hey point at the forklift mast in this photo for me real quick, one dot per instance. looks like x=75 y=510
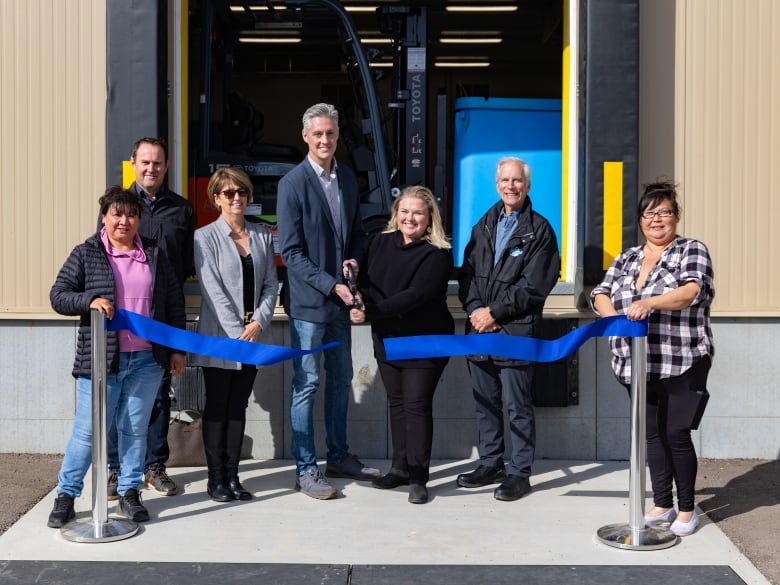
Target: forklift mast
x=267 y=163
x=407 y=26
x=378 y=201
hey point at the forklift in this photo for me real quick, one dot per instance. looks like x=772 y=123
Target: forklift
x=582 y=51
x=237 y=140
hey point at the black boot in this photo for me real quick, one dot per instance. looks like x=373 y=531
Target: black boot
x=214 y=445
x=234 y=441
x=418 y=477
x=418 y=493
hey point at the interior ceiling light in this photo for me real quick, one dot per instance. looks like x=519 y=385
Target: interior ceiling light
x=481 y=8
x=270 y=36
x=376 y=40
x=461 y=64
x=374 y=37
x=470 y=40
x=255 y=7
x=271 y=40
x=349 y=8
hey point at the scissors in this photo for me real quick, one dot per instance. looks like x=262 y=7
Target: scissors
x=352 y=282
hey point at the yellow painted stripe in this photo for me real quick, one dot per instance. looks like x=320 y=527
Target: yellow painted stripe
x=128 y=176
x=565 y=152
x=613 y=211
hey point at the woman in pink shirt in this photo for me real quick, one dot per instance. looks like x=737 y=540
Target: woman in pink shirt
x=116 y=268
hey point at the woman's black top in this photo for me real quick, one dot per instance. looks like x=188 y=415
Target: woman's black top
x=404 y=288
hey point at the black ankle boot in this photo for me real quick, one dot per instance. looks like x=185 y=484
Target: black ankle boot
x=418 y=493
x=217 y=489
x=235 y=487
x=234 y=438
x=214 y=445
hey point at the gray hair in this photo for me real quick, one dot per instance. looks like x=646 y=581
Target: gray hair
x=513 y=159
x=320 y=110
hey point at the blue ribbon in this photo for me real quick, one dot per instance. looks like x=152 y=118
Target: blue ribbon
x=510 y=346
x=246 y=352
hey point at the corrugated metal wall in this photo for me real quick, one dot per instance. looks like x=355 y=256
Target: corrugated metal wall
x=726 y=139
x=728 y=144
x=52 y=141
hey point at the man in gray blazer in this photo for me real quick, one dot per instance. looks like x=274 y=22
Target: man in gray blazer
x=320 y=234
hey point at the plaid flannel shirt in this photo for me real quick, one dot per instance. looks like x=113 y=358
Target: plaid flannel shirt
x=676 y=339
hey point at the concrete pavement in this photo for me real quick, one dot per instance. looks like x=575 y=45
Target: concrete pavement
x=554 y=525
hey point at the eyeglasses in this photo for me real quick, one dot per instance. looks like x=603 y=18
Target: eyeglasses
x=658 y=213
x=230 y=193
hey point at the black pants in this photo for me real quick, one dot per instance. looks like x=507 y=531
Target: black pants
x=157 y=439
x=496 y=387
x=410 y=400
x=227 y=392
x=224 y=417
x=671 y=456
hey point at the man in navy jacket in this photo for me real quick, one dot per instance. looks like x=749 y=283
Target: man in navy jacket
x=320 y=234
x=510 y=266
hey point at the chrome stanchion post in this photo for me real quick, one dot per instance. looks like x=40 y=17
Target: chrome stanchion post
x=99 y=528
x=635 y=535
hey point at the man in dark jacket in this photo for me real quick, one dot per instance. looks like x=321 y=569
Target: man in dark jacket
x=510 y=266
x=170 y=219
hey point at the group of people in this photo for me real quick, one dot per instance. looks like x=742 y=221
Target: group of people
x=336 y=277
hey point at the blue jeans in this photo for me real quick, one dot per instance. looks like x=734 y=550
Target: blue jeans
x=157 y=450
x=130 y=394
x=306 y=382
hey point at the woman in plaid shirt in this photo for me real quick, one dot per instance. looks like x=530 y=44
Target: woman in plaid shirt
x=669 y=280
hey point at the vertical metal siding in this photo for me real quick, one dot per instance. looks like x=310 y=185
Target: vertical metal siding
x=52 y=146
x=728 y=144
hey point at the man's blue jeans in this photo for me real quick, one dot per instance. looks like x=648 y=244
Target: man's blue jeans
x=306 y=382
x=130 y=394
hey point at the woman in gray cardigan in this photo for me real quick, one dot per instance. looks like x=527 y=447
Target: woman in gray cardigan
x=234 y=261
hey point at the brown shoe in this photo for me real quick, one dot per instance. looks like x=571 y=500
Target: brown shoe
x=157 y=479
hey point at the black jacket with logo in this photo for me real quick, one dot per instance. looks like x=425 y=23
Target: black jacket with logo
x=516 y=288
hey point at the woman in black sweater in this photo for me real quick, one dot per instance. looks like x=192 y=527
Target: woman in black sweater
x=404 y=292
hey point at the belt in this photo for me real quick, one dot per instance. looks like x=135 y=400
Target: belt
x=248 y=317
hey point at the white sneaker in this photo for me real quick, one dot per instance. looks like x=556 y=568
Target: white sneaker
x=665 y=518
x=685 y=528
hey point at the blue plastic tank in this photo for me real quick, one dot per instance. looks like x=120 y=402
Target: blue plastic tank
x=487 y=129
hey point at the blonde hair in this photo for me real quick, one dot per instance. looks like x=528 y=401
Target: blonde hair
x=435 y=233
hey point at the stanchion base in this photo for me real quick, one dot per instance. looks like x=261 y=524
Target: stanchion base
x=88 y=530
x=647 y=538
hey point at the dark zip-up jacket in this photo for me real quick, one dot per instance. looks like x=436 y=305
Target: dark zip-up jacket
x=87 y=275
x=515 y=288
